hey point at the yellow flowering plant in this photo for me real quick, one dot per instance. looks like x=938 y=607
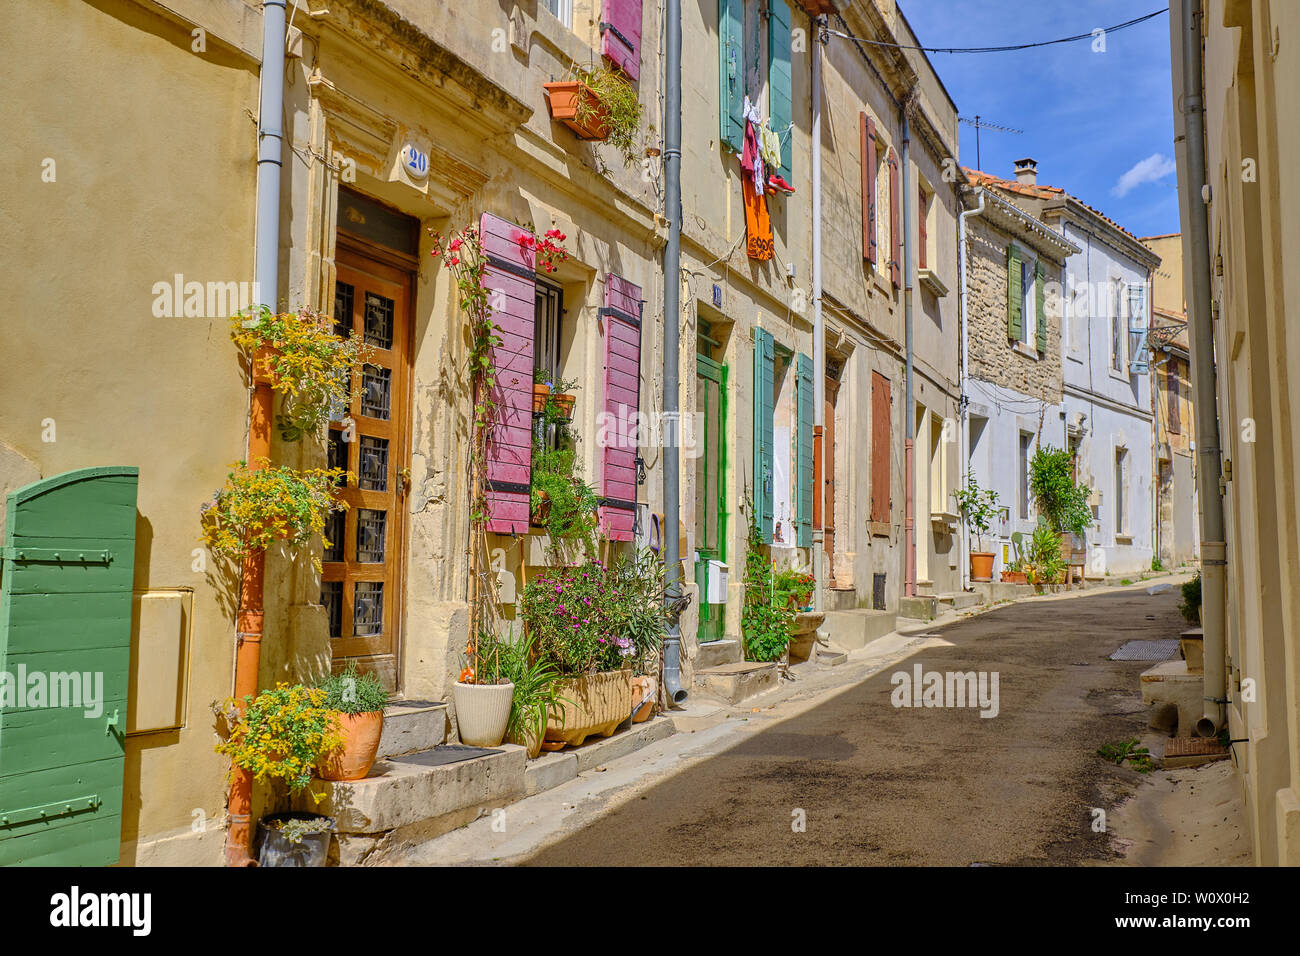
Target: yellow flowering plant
x=305 y=361
x=258 y=507
x=282 y=734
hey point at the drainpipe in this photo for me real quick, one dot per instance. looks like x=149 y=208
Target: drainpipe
x=672 y=321
x=965 y=399
x=819 y=330
x=248 y=623
x=909 y=411
x=1201 y=339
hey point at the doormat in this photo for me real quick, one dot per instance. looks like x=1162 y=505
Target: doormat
x=1162 y=650
x=444 y=754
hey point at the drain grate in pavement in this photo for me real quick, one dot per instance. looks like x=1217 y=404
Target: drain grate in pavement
x=1162 y=650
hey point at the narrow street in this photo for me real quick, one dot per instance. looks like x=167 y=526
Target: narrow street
x=879 y=784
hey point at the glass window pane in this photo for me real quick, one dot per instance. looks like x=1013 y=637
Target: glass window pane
x=331 y=597
x=376 y=390
x=368 y=612
x=334 y=534
x=379 y=321
x=711 y=464
x=372 y=466
x=343 y=294
x=371 y=526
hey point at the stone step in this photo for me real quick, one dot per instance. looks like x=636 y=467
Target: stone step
x=840 y=599
x=849 y=630
x=918 y=608
x=737 y=681
x=552 y=769
x=717 y=653
x=828 y=656
x=407 y=799
x=411 y=726
x=990 y=592
x=958 y=599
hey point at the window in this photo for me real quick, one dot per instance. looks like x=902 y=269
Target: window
x=1029 y=308
x=546 y=329
x=562 y=9
x=1121 y=468
x=938 y=469
x=1118 y=321
x=1026 y=442
x=1175 y=412
x=922 y=227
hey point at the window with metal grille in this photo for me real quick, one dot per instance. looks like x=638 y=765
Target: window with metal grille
x=331 y=598
x=379 y=321
x=376 y=391
x=334 y=532
x=368 y=611
x=372 y=470
x=343 y=294
x=371 y=526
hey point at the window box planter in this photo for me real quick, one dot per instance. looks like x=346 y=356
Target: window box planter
x=595 y=704
x=563 y=98
x=1014 y=577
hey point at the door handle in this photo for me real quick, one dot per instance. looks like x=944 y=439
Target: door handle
x=404 y=481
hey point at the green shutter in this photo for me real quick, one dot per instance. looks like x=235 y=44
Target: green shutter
x=65 y=608
x=804 y=447
x=780 y=97
x=764 y=408
x=1015 y=294
x=1040 y=305
x=731 y=72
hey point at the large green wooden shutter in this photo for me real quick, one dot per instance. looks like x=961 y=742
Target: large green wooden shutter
x=779 y=89
x=1040 y=305
x=1015 y=294
x=65 y=609
x=731 y=72
x=804 y=447
x=764 y=407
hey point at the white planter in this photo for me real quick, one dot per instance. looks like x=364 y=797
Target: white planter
x=482 y=712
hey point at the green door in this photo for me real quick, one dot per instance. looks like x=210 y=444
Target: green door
x=65 y=647
x=710 y=488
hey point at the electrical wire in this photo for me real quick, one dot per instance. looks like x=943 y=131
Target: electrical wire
x=1001 y=49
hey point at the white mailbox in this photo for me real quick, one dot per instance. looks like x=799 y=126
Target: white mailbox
x=717 y=591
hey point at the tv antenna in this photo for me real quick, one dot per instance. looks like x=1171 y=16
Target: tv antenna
x=981 y=125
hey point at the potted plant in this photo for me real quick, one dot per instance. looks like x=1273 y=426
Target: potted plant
x=281 y=736
x=294 y=839
x=300 y=356
x=553 y=398
x=358 y=702
x=766 y=622
x=1190 y=606
x=576 y=617
x=1045 y=563
x=1061 y=500
x=259 y=506
x=978 y=507
x=534 y=696
x=560 y=500
x=599 y=105
x=1014 y=573
x=483 y=694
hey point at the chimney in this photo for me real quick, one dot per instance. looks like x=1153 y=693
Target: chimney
x=1027 y=171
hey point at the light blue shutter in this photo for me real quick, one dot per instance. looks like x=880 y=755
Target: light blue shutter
x=764 y=408
x=804 y=449
x=731 y=72
x=1137 y=329
x=780 y=97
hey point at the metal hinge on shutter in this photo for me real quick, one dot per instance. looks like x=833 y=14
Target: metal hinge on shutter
x=49 y=811
x=605 y=25
x=23 y=555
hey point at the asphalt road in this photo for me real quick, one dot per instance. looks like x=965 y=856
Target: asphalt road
x=886 y=785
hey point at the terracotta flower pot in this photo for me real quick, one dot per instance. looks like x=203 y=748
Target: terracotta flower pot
x=981 y=565
x=563 y=99
x=482 y=712
x=542 y=513
x=1014 y=577
x=540 y=391
x=353 y=761
x=564 y=403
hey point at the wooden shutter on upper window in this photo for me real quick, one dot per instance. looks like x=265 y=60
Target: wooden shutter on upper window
x=1015 y=294
x=620 y=35
x=731 y=72
x=867 y=129
x=1175 y=412
x=895 y=233
x=780 y=90
x=1040 y=306
x=510 y=278
x=804 y=452
x=920 y=228
x=621 y=318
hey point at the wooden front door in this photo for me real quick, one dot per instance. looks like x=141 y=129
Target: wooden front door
x=828 y=479
x=710 y=489
x=363 y=579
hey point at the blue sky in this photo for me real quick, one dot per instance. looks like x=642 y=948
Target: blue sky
x=1100 y=124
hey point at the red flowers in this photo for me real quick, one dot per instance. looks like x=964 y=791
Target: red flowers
x=546 y=248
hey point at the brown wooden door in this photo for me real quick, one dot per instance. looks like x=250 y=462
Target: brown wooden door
x=363 y=578
x=828 y=477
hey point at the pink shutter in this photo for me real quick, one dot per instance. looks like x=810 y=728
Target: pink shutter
x=620 y=35
x=895 y=231
x=510 y=281
x=622 y=320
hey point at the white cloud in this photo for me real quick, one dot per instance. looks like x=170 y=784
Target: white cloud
x=1152 y=169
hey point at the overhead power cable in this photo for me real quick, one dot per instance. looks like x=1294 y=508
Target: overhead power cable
x=1001 y=49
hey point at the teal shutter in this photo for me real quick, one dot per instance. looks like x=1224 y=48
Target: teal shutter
x=764 y=407
x=804 y=449
x=1015 y=294
x=731 y=72
x=780 y=97
x=1040 y=305
x=65 y=614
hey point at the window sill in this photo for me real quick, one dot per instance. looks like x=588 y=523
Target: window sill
x=1123 y=539
x=879 y=529
x=1025 y=350
x=931 y=281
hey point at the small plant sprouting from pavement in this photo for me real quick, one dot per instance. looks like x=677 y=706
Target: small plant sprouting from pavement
x=1139 y=757
x=1125 y=582
x=1191 y=603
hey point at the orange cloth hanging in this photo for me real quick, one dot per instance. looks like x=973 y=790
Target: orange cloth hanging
x=758 y=224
